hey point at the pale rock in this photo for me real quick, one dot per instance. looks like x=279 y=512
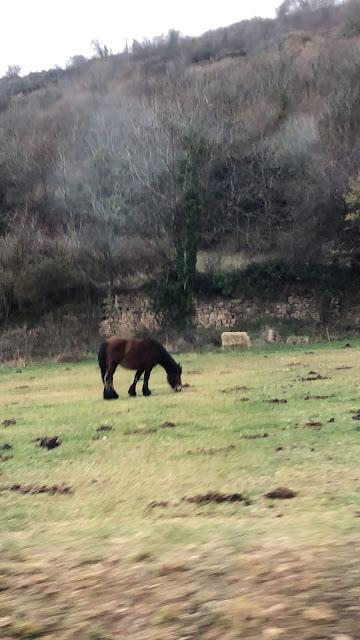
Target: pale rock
x=320 y=613
x=272 y=633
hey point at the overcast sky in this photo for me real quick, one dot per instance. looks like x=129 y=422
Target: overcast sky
x=39 y=34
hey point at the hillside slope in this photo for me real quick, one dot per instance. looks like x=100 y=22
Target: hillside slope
x=101 y=163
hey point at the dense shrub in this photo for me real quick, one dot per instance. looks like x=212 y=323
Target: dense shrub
x=270 y=280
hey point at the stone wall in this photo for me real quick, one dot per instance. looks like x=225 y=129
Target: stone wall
x=124 y=314
x=229 y=313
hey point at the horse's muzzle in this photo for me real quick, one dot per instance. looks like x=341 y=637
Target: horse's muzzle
x=178 y=388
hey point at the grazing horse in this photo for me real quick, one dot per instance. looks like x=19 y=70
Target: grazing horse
x=142 y=355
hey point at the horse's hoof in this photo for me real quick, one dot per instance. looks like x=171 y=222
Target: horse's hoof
x=132 y=393
x=110 y=394
x=147 y=392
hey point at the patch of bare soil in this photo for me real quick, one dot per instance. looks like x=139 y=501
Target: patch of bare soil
x=210 y=451
x=318 y=397
x=157 y=503
x=149 y=430
x=281 y=493
x=235 y=389
x=8 y=422
x=277 y=401
x=313 y=424
x=5 y=447
x=168 y=425
x=101 y=431
x=104 y=428
x=292 y=594
x=314 y=375
x=48 y=442
x=343 y=368
x=356 y=416
x=140 y=431
x=33 y=489
x=253 y=436
x=217 y=498
x=5 y=458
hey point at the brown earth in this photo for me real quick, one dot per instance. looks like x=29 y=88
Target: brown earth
x=302 y=594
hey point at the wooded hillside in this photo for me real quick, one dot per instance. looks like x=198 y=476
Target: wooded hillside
x=244 y=141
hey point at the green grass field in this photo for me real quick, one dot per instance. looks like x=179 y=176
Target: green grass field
x=124 y=556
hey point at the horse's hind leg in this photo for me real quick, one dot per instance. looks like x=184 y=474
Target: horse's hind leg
x=132 y=388
x=146 y=391
x=109 y=391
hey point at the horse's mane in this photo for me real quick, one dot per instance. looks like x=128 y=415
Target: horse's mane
x=167 y=360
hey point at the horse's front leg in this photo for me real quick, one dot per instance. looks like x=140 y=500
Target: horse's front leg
x=146 y=391
x=132 y=388
x=109 y=391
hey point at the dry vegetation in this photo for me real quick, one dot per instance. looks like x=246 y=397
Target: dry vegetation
x=95 y=159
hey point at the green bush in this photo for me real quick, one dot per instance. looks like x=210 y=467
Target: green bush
x=171 y=302
x=270 y=280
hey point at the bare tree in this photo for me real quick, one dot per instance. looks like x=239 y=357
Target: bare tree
x=13 y=71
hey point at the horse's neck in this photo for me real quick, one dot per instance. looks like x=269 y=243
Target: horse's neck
x=166 y=360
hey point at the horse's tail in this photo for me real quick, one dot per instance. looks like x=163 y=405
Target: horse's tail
x=102 y=359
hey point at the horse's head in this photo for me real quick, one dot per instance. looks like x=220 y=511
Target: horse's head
x=174 y=378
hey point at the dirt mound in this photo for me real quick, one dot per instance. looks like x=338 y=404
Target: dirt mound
x=167 y=425
x=277 y=401
x=104 y=428
x=33 y=489
x=313 y=424
x=217 y=498
x=158 y=503
x=8 y=422
x=235 y=389
x=281 y=493
x=5 y=447
x=318 y=397
x=314 y=375
x=48 y=442
x=5 y=458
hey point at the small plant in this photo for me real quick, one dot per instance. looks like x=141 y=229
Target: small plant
x=26 y=630
x=351 y=27
x=166 y=615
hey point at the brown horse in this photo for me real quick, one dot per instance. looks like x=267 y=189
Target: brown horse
x=142 y=355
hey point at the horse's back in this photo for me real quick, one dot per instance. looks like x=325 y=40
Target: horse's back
x=132 y=353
